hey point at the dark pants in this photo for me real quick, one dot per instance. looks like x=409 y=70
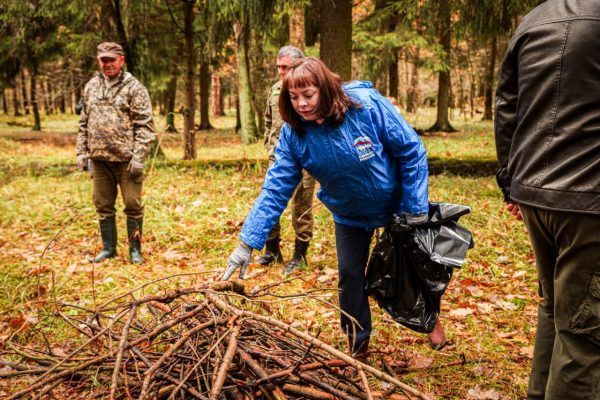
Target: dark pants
x=566 y=358
x=107 y=178
x=352 y=245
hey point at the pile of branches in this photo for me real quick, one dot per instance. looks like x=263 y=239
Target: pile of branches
x=205 y=349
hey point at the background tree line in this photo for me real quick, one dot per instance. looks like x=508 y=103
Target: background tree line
x=201 y=57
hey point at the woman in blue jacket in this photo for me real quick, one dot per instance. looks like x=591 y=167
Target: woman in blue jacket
x=370 y=164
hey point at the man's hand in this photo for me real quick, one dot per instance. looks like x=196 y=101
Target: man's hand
x=514 y=209
x=415 y=219
x=135 y=169
x=240 y=258
x=82 y=162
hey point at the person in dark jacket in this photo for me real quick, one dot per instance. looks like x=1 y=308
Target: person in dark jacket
x=548 y=143
x=370 y=164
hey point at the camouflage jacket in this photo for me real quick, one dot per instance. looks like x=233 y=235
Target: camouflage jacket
x=273 y=121
x=116 y=120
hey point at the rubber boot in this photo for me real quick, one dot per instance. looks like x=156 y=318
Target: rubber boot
x=108 y=232
x=359 y=352
x=299 y=256
x=272 y=253
x=134 y=233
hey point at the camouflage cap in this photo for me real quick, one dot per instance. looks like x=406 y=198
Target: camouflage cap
x=109 y=49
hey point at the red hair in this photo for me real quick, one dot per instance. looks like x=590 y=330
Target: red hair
x=333 y=102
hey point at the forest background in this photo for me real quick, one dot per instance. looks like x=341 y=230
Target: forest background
x=208 y=66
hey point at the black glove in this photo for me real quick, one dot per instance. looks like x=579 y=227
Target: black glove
x=135 y=169
x=415 y=219
x=240 y=258
x=82 y=162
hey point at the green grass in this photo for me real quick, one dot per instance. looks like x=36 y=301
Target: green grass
x=194 y=210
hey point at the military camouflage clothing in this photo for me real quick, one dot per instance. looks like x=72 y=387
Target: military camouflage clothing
x=116 y=120
x=273 y=121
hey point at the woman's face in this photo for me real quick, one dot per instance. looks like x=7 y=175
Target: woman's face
x=306 y=102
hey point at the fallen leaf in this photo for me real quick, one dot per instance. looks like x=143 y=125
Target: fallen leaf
x=527 y=351
x=477 y=394
x=503 y=260
x=460 y=313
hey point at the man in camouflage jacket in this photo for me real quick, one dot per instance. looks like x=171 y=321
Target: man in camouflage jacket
x=115 y=133
x=302 y=219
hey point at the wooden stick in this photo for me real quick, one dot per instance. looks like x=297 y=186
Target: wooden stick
x=122 y=343
x=275 y=392
x=222 y=373
x=307 y=392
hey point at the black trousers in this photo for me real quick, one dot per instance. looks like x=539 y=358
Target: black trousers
x=352 y=246
x=566 y=357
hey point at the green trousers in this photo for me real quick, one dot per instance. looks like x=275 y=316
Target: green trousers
x=108 y=177
x=566 y=357
x=302 y=218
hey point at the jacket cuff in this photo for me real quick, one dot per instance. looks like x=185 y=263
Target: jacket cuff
x=504 y=185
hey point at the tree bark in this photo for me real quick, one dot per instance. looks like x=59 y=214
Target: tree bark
x=238 y=119
x=312 y=14
x=297 y=26
x=130 y=57
x=204 y=94
x=249 y=130
x=4 y=102
x=442 y=122
x=24 y=98
x=413 y=92
x=171 y=94
x=37 y=123
x=489 y=81
x=189 y=135
x=15 y=99
x=336 y=36
x=218 y=109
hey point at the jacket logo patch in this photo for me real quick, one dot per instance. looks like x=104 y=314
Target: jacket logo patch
x=364 y=146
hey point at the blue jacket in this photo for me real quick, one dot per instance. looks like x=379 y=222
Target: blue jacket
x=372 y=166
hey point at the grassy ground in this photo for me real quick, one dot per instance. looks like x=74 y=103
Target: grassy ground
x=194 y=210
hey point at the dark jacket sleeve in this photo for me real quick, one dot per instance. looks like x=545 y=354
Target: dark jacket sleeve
x=506 y=118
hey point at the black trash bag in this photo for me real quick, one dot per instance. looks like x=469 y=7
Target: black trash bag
x=410 y=268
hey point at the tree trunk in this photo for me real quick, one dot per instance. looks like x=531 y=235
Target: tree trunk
x=204 y=94
x=171 y=94
x=4 y=102
x=442 y=122
x=312 y=14
x=189 y=135
x=413 y=93
x=130 y=58
x=336 y=36
x=238 y=119
x=49 y=97
x=297 y=26
x=217 y=108
x=16 y=105
x=489 y=81
x=37 y=123
x=62 y=104
x=24 y=99
x=393 y=76
x=249 y=131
